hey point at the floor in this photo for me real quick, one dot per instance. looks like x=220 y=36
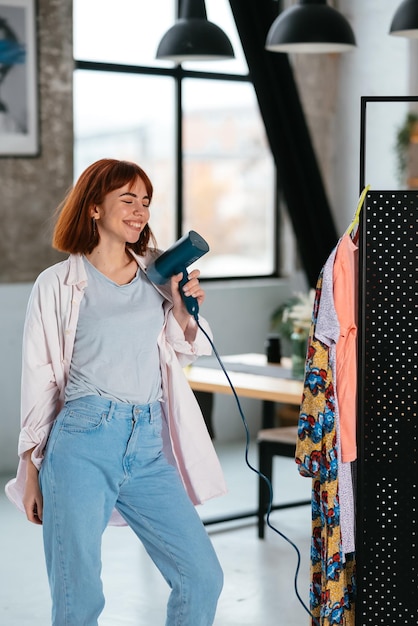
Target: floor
x=259 y=574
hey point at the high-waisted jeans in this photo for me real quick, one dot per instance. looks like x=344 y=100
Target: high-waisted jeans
x=103 y=455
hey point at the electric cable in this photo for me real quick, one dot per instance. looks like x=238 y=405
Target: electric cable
x=260 y=474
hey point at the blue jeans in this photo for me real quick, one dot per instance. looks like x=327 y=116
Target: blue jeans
x=103 y=455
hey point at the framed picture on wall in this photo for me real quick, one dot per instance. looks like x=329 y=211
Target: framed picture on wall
x=19 y=132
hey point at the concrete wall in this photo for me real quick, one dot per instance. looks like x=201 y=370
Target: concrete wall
x=31 y=188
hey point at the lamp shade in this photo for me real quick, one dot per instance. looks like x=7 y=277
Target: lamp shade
x=311 y=27
x=194 y=38
x=405 y=20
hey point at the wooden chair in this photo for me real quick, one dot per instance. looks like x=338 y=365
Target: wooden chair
x=273 y=442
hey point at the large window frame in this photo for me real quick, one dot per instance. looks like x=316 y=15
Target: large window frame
x=178 y=74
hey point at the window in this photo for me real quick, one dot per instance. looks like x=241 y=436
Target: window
x=196 y=130
x=130 y=116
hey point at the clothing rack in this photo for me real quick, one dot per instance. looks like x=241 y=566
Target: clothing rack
x=387 y=465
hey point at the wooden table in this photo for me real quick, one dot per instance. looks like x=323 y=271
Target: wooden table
x=251 y=384
x=270 y=388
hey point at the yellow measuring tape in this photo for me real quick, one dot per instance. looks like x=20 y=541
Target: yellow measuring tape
x=356 y=218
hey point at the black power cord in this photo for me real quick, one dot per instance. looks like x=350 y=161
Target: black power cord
x=261 y=475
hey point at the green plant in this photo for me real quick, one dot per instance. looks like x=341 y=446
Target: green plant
x=403 y=138
x=280 y=322
x=294 y=311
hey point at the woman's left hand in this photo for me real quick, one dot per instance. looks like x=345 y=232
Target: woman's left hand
x=191 y=288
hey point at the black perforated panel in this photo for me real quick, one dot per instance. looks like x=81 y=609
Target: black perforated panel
x=388 y=394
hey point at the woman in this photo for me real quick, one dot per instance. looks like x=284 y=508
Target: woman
x=103 y=352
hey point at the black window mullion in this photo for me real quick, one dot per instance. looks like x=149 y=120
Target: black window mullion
x=179 y=155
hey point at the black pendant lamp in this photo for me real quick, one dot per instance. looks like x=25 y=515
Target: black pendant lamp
x=405 y=20
x=311 y=27
x=194 y=38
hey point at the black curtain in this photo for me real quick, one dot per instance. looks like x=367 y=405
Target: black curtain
x=299 y=177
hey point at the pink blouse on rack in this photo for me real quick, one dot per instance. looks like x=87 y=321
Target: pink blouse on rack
x=345 y=301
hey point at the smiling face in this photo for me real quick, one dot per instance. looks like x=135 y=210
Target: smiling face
x=123 y=214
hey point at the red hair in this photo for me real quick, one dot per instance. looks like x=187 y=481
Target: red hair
x=74 y=230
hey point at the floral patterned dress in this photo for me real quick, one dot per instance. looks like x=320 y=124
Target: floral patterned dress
x=332 y=586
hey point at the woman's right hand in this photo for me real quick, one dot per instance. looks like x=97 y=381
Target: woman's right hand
x=32 y=497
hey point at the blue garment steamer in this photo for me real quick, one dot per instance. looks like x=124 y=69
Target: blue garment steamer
x=176 y=259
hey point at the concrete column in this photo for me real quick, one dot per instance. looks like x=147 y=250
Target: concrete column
x=31 y=188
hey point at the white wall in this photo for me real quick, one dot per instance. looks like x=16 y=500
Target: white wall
x=379 y=66
x=13 y=299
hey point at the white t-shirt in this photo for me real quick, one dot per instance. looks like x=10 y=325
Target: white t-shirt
x=115 y=350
